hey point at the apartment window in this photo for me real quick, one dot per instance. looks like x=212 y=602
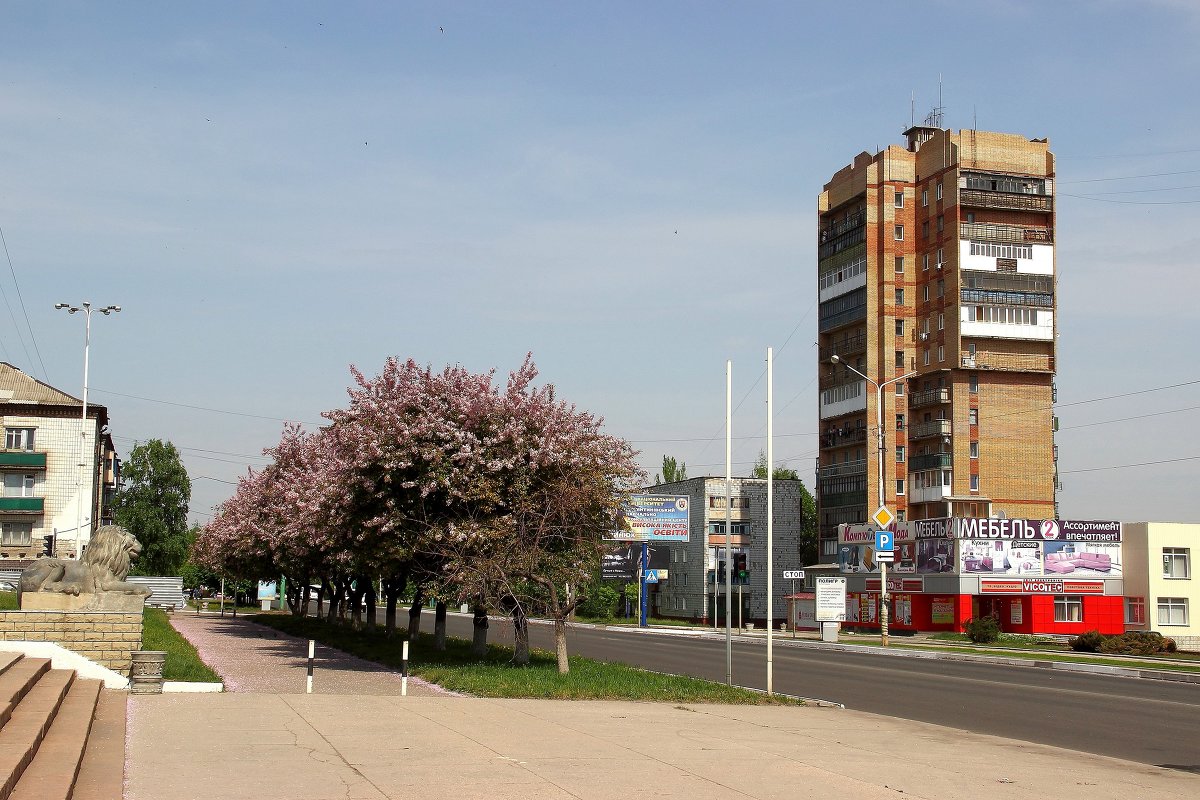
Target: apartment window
x=946 y=476
x=17 y=485
x=939 y=190
x=924 y=197
x=941 y=222
x=683 y=604
x=900 y=389
x=899 y=422
x=941 y=321
x=925 y=229
x=899 y=199
x=970 y=216
x=900 y=358
x=684 y=577
x=899 y=455
x=683 y=556
x=899 y=233
x=16 y=534
x=925 y=262
x=899 y=328
x=941 y=352
x=973 y=416
x=1135 y=611
x=1068 y=608
x=926 y=357
x=974 y=483
x=1172 y=611
x=941 y=259
x=900 y=487
x=1175 y=561
x=18 y=438
x=974 y=449
x=941 y=288
x=899 y=297
x=718 y=501
x=925 y=293
x=829 y=547
x=974 y=380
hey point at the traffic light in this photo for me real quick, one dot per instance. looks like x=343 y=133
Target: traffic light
x=48 y=545
x=721 y=571
x=740 y=568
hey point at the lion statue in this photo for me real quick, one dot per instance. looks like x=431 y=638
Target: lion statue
x=103 y=568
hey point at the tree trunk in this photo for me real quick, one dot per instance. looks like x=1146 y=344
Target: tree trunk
x=343 y=587
x=393 y=587
x=371 y=600
x=520 y=636
x=414 y=614
x=354 y=591
x=560 y=645
x=479 y=640
x=439 y=626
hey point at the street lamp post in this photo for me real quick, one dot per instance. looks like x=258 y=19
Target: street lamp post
x=883 y=591
x=86 y=308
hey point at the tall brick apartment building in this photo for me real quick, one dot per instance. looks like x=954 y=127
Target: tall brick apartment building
x=938 y=260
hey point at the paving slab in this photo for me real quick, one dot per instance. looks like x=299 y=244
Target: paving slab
x=255 y=658
x=306 y=747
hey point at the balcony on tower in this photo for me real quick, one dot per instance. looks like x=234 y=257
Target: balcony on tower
x=928 y=397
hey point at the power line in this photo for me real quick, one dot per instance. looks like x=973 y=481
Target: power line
x=205 y=408
x=1133 y=177
x=1129 y=466
x=198 y=449
x=1130 y=202
x=16 y=327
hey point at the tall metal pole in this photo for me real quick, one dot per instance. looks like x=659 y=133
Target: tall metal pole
x=728 y=523
x=883 y=590
x=86 y=308
x=770 y=524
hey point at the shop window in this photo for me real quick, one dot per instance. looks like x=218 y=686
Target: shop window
x=1175 y=559
x=1068 y=608
x=1172 y=611
x=1135 y=611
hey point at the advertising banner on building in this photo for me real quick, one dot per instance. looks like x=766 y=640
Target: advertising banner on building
x=1000 y=557
x=935 y=555
x=1082 y=558
x=897 y=584
x=1037 y=529
x=941 y=610
x=653 y=518
x=1040 y=586
x=857 y=558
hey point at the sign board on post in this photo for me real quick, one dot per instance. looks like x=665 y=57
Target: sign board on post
x=654 y=518
x=885 y=547
x=831 y=599
x=793 y=574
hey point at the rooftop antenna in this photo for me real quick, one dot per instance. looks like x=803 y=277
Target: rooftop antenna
x=912 y=109
x=934 y=118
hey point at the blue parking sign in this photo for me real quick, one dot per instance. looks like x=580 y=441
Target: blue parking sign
x=884 y=542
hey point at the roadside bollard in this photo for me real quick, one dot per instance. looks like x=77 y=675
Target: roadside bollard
x=311 y=650
x=404 y=670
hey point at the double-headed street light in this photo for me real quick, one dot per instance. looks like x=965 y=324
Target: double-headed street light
x=883 y=605
x=87 y=309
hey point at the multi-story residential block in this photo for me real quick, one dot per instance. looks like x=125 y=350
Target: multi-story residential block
x=45 y=440
x=692 y=584
x=936 y=279
x=1162 y=592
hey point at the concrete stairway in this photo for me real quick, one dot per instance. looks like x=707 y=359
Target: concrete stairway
x=62 y=737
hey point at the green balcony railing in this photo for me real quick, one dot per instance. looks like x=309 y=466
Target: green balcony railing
x=23 y=459
x=28 y=505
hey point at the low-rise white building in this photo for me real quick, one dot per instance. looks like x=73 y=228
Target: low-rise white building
x=689 y=592
x=1161 y=590
x=45 y=441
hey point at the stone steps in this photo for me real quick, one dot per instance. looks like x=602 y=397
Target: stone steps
x=47 y=717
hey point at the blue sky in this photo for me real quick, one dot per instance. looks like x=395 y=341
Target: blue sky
x=274 y=191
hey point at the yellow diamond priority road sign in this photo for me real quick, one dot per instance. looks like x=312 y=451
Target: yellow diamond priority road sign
x=883 y=517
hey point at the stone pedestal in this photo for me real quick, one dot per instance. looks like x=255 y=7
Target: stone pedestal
x=108 y=602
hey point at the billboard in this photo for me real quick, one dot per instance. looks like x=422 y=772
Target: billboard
x=1000 y=557
x=622 y=564
x=654 y=518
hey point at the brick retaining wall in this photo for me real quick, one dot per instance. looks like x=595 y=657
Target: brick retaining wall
x=105 y=637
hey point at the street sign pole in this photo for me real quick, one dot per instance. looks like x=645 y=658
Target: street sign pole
x=645 y=566
x=793 y=619
x=728 y=522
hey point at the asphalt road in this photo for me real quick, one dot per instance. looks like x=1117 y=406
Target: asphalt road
x=1153 y=722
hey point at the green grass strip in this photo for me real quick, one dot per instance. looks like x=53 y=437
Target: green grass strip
x=183 y=662
x=494 y=675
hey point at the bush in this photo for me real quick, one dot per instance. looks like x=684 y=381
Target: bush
x=983 y=630
x=1137 y=643
x=1088 y=642
x=600 y=603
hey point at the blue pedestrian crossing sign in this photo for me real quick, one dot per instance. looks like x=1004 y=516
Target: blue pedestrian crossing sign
x=884 y=542
x=651 y=576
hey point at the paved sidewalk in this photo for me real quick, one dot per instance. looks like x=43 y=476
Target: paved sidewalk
x=303 y=747
x=255 y=658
